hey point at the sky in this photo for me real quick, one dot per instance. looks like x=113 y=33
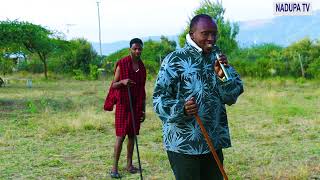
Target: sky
x=125 y=19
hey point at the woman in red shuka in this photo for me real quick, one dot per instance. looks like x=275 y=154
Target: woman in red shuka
x=130 y=71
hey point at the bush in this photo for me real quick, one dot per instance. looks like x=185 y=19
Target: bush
x=6 y=65
x=152 y=67
x=108 y=66
x=314 y=69
x=79 y=75
x=33 y=66
x=23 y=66
x=93 y=72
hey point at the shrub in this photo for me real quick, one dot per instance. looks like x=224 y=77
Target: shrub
x=78 y=75
x=93 y=72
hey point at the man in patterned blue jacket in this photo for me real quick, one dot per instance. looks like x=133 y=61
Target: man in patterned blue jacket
x=191 y=81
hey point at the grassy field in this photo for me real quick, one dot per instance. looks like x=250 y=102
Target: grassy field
x=58 y=130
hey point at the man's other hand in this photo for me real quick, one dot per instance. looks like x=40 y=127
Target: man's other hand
x=190 y=107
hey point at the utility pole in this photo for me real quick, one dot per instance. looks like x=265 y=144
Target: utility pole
x=68 y=29
x=99 y=29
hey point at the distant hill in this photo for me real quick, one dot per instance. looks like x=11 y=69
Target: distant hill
x=282 y=30
x=108 y=48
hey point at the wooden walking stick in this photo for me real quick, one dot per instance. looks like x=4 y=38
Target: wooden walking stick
x=213 y=151
x=134 y=132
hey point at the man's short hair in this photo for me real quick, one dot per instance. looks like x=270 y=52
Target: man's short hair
x=136 y=40
x=197 y=18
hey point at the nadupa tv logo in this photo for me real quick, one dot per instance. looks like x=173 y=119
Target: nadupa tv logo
x=292 y=8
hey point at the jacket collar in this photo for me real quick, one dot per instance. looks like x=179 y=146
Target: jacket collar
x=192 y=43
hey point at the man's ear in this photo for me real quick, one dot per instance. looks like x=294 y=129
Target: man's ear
x=191 y=34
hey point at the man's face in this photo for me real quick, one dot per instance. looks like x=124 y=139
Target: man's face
x=204 y=34
x=136 y=50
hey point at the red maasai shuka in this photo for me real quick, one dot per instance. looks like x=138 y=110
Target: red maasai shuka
x=123 y=118
x=111 y=99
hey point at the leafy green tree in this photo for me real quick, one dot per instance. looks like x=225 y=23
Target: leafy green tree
x=253 y=53
x=156 y=51
x=34 y=38
x=80 y=55
x=300 y=55
x=227 y=30
x=77 y=54
x=314 y=69
x=262 y=60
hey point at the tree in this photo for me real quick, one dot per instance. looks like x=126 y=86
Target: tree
x=300 y=55
x=34 y=38
x=79 y=55
x=156 y=51
x=314 y=68
x=263 y=60
x=227 y=31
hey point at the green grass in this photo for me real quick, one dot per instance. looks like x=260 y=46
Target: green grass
x=58 y=130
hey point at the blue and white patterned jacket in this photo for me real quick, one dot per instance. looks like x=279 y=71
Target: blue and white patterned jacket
x=187 y=73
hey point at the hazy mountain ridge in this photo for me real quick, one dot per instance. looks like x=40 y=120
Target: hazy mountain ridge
x=282 y=30
x=108 y=48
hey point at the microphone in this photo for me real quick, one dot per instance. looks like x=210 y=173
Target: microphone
x=225 y=71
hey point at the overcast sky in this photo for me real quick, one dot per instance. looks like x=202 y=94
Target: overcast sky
x=125 y=19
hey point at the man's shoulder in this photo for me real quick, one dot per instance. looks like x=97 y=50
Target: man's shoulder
x=180 y=53
x=123 y=60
